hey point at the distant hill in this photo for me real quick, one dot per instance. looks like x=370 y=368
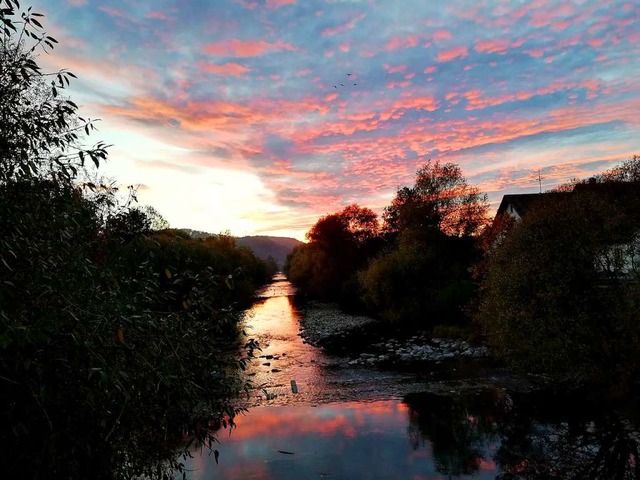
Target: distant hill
x=275 y=247
x=263 y=246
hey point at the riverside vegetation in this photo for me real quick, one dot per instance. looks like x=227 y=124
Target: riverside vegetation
x=119 y=344
x=555 y=294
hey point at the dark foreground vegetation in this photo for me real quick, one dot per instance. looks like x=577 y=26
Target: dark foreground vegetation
x=556 y=292
x=119 y=344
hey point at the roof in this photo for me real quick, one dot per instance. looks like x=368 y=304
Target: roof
x=523 y=202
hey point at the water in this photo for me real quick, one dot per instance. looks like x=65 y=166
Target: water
x=347 y=423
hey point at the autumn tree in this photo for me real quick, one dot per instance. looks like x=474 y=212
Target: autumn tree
x=423 y=278
x=339 y=245
x=442 y=199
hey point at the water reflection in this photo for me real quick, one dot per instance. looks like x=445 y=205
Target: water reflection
x=490 y=434
x=485 y=434
x=532 y=436
x=274 y=321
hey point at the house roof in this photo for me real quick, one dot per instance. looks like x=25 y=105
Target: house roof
x=521 y=203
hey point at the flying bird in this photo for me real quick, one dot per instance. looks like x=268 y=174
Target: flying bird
x=342 y=84
x=349 y=74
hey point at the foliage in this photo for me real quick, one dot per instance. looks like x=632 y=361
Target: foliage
x=442 y=199
x=414 y=271
x=423 y=281
x=561 y=291
x=423 y=278
x=118 y=346
x=339 y=245
x=40 y=131
x=157 y=221
x=105 y=357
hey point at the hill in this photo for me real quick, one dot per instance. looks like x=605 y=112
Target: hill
x=275 y=247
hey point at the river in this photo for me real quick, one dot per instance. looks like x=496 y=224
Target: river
x=345 y=422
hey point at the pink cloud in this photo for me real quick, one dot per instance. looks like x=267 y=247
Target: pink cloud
x=330 y=31
x=403 y=84
x=279 y=3
x=500 y=46
x=544 y=17
x=394 y=68
x=239 y=48
x=227 y=69
x=400 y=43
x=560 y=26
x=452 y=54
x=114 y=12
x=158 y=16
x=249 y=5
x=442 y=35
x=476 y=100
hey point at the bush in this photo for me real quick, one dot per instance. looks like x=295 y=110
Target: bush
x=556 y=299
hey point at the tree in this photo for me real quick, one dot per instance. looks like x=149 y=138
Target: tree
x=108 y=354
x=421 y=282
x=442 y=199
x=558 y=296
x=40 y=131
x=156 y=220
x=339 y=245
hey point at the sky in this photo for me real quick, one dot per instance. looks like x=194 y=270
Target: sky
x=258 y=116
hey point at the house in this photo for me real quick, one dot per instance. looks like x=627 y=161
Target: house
x=618 y=260
x=517 y=205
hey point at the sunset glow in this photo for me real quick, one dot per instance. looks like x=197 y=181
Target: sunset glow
x=259 y=116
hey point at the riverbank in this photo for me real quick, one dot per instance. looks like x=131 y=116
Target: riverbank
x=369 y=342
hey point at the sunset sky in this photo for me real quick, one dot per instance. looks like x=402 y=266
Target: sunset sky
x=258 y=116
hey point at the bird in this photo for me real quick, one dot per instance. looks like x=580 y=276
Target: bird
x=349 y=74
x=342 y=84
x=335 y=86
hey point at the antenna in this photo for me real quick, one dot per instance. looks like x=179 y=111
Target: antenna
x=539 y=181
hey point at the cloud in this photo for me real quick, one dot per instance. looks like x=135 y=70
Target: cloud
x=239 y=48
x=400 y=43
x=158 y=15
x=247 y=87
x=452 y=54
x=442 y=35
x=279 y=3
x=344 y=27
x=227 y=69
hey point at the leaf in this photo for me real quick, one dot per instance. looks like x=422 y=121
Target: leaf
x=216 y=454
x=120 y=335
x=167 y=272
